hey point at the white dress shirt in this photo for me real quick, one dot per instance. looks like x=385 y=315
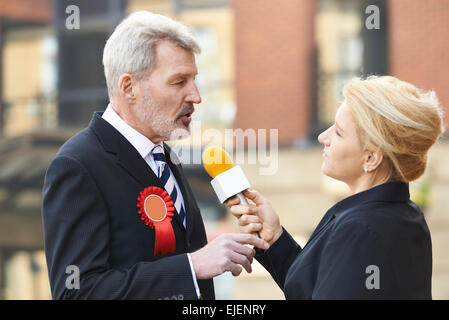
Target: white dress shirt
x=144 y=146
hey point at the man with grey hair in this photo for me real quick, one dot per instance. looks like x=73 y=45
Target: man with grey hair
x=116 y=205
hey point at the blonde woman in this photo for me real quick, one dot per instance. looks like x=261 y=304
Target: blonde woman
x=375 y=244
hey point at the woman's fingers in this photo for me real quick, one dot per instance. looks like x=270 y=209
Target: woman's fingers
x=255 y=196
x=232 y=201
x=241 y=209
x=247 y=219
x=250 y=221
x=251 y=228
x=250 y=224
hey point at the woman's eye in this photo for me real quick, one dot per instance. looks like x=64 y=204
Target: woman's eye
x=338 y=133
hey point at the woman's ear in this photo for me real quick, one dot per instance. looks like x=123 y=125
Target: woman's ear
x=127 y=87
x=372 y=160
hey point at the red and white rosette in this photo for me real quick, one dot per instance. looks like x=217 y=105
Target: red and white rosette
x=156 y=209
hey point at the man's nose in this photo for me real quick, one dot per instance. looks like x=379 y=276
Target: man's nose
x=194 y=95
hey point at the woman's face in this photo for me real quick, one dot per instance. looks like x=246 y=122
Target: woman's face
x=343 y=154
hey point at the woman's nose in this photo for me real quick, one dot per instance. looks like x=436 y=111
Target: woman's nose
x=323 y=138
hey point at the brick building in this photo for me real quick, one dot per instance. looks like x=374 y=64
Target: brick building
x=265 y=65
x=419 y=46
x=274 y=66
x=277 y=61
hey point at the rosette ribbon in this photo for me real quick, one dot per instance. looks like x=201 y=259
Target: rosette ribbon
x=156 y=210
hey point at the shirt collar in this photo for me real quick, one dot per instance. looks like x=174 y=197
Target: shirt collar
x=387 y=192
x=142 y=144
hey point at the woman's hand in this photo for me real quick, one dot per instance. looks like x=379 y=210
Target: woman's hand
x=259 y=217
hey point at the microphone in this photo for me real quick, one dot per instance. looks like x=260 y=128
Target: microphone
x=227 y=180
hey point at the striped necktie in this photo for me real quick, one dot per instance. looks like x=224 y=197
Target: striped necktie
x=168 y=181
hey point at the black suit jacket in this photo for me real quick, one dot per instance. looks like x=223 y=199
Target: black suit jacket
x=90 y=220
x=378 y=228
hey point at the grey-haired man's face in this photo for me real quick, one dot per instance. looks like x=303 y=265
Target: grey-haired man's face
x=167 y=97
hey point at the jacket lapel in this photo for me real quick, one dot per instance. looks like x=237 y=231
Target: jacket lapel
x=128 y=157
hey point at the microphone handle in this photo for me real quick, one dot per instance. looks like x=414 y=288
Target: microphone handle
x=244 y=201
x=242 y=198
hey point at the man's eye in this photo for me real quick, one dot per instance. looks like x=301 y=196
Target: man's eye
x=338 y=133
x=180 y=82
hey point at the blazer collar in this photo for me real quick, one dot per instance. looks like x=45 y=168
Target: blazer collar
x=387 y=192
x=142 y=144
x=128 y=157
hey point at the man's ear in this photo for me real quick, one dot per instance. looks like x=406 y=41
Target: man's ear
x=127 y=87
x=372 y=160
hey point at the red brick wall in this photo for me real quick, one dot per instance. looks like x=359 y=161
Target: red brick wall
x=28 y=10
x=274 y=52
x=419 y=45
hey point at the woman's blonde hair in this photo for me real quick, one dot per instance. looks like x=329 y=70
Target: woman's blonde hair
x=397 y=119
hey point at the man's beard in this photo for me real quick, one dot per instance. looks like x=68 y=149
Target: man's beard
x=154 y=116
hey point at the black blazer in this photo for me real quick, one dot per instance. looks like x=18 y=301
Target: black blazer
x=378 y=228
x=90 y=220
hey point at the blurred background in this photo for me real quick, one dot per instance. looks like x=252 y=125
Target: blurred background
x=265 y=65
